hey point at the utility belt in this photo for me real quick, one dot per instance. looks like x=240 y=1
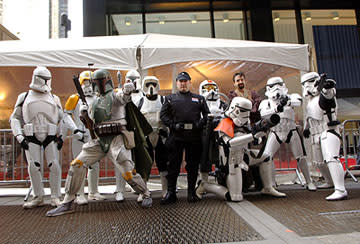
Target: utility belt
x=318 y=129
x=109 y=129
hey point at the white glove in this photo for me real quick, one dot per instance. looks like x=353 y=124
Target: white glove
x=84 y=107
x=79 y=134
x=259 y=136
x=128 y=88
x=19 y=138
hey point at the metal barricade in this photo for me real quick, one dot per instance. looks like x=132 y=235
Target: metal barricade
x=350 y=132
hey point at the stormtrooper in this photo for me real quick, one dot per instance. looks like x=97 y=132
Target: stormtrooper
x=35 y=124
x=133 y=76
x=81 y=135
x=209 y=89
x=279 y=101
x=107 y=117
x=322 y=128
x=235 y=156
x=150 y=107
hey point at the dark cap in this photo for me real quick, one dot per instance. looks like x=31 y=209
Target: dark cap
x=183 y=76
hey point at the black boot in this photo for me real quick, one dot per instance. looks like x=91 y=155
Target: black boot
x=169 y=198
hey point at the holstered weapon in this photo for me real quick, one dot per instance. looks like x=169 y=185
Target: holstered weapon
x=84 y=116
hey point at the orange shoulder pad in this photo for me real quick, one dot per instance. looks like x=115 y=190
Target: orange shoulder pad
x=72 y=102
x=226 y=126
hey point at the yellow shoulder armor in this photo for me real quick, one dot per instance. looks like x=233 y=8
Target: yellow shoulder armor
x=72 y=102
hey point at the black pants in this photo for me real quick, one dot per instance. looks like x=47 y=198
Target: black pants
x=161 y=154
x=192 y=158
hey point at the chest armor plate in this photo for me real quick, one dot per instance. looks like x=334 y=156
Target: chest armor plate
x=101 y=108
x=313 y=109
x=214 y=107
x=151 y=111
x=40 y=107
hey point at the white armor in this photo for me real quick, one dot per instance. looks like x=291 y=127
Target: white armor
x=133 y=76
x=238 y=153
x=209 y=89
x=82 y=135
x=323 y=128
x=40 y=112
x=285 y=131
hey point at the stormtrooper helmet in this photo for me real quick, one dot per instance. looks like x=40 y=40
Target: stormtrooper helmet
x=275 y=87
x=85 y=79
x=308 y=83
x=150 y=85
x=134 y=77
x=239 y=111
x=102 y=82
x=41 y=80
x=209 y=89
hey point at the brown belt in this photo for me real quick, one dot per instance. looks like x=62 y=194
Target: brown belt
x=108 y=129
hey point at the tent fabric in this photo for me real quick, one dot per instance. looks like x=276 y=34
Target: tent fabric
x=160 y=49
x=120 y=52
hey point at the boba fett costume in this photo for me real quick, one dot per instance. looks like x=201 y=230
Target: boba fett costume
x=108 y=115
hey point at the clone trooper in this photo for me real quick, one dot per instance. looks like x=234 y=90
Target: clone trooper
x=108 y=115
x=209 y=89
x=72 y=121
x=322 y=127
x=234 y=137
x=150 y=107
x=40 y=112
x=133 y=76
x=279 y=101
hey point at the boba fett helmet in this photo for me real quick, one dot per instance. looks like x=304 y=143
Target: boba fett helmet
x=102 y=82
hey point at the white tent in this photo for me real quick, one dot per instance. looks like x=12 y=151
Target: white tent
x=146 y=51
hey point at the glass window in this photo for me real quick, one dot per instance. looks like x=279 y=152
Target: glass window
x=284 y=23
x=125 y=24
x=229 y=25
x=328 y=17
x=185 y=24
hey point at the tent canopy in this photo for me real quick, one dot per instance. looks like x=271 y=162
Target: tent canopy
x=147 y=51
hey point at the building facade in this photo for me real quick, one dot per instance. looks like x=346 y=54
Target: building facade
x=331 y=28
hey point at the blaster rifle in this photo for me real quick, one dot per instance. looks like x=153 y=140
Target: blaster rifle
x=84 y=117
x=266 y=123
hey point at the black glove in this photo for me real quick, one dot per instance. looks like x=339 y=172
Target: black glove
x=59 y=142
x=163 y=133
x=283 y=100
x=24 y=144
x=306 y=133
x=179 y=126
x=329 y=83
x=280 y=108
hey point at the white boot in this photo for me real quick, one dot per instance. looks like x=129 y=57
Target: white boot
x=35 y=202
x=324 y=170
x=303 y=165
x=55 y=202
x=80 y=196
x=119 y=197
x=96 y=196
x=266 y=173
x=164 y=184
x=337 y=175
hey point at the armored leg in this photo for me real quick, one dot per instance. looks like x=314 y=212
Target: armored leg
x=266 y=177
x=219 y=190
x=52 y=158
x=306 y=172
x=120 y=185
x=93 y=182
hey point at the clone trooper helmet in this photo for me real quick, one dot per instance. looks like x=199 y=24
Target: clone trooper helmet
x=150 y=85
x=308 y=83
x=85 y=79
x=209 y=89
x=275 y=87
x=239 y=111
x=102 y=82
x=41 y=80
x=134 y=77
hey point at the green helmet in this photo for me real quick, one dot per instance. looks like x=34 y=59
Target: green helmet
x=102 y=82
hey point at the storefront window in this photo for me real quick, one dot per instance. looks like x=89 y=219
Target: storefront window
x=185 y=24
x=229 y=25
x=125 y=24
x=284 y=23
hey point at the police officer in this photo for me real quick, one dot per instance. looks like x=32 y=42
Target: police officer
x=185 y=114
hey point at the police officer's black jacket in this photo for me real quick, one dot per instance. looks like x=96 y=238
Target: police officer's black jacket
x=185 y=108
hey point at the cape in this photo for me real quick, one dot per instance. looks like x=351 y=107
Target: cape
x=137 y=123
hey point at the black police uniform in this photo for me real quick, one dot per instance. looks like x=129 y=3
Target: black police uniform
x=185 y=114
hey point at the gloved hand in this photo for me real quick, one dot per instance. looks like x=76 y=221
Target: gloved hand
x=83 y=107
x=280 y=108
x=23 y=142
x=258 y=137
x=59 y=142
x=306 y=133
x=79 y=134
x=329 y=83
x=283 y=100
x=128 y=88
